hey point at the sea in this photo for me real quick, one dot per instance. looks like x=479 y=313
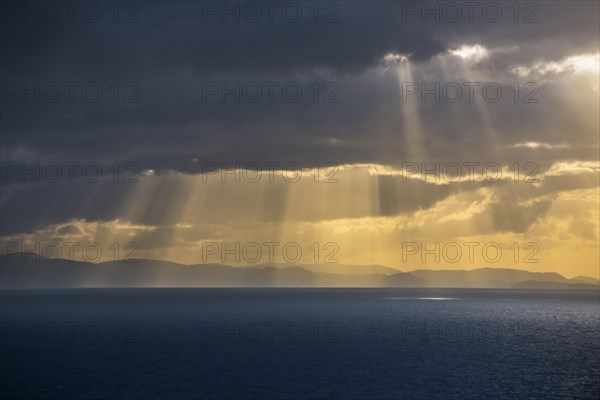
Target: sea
x=292 y=343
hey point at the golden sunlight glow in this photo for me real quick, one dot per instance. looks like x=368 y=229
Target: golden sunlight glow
x=475 y=53
x=372 y=228
x=582 y=63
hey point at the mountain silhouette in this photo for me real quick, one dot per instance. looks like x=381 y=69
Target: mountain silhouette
x=30 y=271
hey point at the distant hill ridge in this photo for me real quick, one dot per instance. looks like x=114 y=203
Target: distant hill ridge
x=29 y=271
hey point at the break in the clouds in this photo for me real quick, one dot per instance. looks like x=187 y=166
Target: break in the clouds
x=376 y=87
x=178 y=59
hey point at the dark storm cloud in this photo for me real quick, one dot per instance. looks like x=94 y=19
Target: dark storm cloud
x=167 y=55
x=163 y=59
x=165 y=63
x=178 y=36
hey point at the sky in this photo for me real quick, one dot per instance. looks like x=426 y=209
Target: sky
x=414 y=135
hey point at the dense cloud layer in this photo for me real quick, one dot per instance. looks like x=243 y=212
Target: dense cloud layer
x=177 y=55
x=184 y=84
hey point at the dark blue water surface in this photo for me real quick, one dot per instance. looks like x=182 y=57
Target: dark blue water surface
x=299 y=344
